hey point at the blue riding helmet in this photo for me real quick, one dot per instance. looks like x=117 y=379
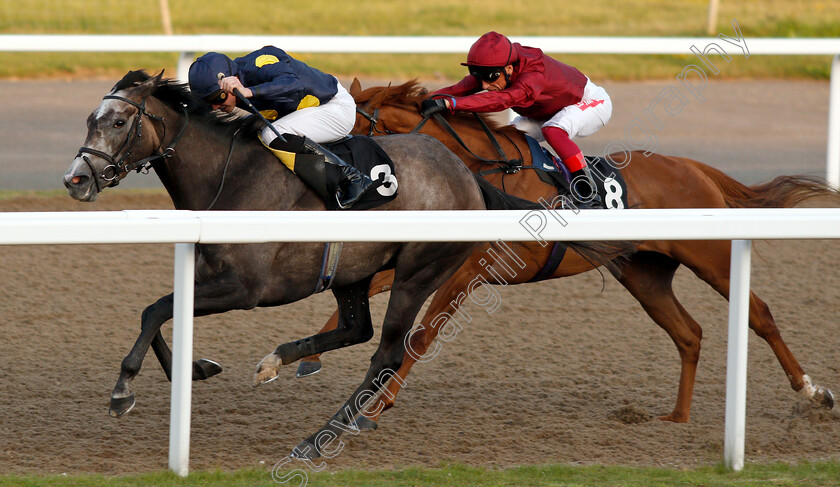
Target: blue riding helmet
x=204 y=75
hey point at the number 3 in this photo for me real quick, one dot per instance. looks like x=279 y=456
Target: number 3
x=385 y=189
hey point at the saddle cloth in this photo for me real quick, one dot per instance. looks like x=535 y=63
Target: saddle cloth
x=612 y=188
x=365 y=155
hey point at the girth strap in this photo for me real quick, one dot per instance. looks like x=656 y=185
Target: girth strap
x=329 y=264
x=558 y=251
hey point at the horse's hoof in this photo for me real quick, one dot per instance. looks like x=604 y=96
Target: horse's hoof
x=362 y=422
x=675 y=418
x=307 y=368
x=305 y=450
x=267 y=370
x=824 y=398
x=205 y=368
x=121 y=405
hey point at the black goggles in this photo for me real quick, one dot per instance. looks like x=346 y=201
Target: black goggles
x=218 y=97
x=488 y=74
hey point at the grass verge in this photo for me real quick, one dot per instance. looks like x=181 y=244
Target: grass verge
x=756 y=18
x=777 y=474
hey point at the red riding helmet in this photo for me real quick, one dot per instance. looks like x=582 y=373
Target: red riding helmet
x=491 y=50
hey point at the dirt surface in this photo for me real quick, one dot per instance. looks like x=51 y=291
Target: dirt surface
x=562 y=372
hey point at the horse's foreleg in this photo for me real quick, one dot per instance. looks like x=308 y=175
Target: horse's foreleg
x=711 y=263
x=216 y=296
x=354 y=327
x=122 y=399
x=648 y=277
x=312 y=364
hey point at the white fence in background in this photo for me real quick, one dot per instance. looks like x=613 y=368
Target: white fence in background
x=189 y=45
x=186 y=228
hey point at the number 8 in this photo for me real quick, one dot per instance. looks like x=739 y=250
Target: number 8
x=614 y=191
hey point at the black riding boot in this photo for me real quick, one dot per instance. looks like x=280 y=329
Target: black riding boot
x=352 y=185
x=311 y=162
x=584 y=186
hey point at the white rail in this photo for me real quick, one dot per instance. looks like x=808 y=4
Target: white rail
x=189 y=45
x=185 y=229
x=396 y=44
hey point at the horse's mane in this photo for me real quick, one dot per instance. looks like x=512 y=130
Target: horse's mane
x=177 y=95
x=413 y=93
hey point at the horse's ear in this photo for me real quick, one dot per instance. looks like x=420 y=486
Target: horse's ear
x=355 y=88
x=156 y=79
x=379 y=98
x=147 y=87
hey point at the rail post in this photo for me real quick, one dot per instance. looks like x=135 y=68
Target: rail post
x=182 y=351
x=832 y=165
x=736 y=355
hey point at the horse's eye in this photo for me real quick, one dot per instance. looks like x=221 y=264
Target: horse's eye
x=119 y=123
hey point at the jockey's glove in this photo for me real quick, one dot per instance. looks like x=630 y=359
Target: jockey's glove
x=432 y=105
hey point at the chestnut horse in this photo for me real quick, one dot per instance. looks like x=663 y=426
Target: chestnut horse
x=655 y=181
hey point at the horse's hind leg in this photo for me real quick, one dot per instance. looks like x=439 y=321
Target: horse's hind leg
x=447 y=299
x=414 y=281
x=312 y=364
x=648 y=276
x=355 y=327
x=710 y=261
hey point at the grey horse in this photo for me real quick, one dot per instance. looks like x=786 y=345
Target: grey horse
x=205 y=159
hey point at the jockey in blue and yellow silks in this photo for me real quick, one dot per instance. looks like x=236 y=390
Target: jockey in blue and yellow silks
x=306 y=105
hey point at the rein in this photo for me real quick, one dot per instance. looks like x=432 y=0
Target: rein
x=131 y=140
x=508 y=166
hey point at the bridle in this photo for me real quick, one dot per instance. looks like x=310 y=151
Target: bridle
x=115 y=167
x=373 y=119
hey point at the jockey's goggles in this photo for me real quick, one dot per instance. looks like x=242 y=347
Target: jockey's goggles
x=218 y=97
x=487 y=74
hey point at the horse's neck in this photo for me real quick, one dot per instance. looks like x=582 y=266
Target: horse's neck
x=188 y=174
x=204 y=163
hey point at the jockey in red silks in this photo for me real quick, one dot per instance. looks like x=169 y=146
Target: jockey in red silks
x=555 y=101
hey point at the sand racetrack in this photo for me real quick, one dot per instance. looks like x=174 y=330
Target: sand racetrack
x=560 y=373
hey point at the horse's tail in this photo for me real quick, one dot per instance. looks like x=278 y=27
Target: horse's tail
x=610 y=254
x=781 y=192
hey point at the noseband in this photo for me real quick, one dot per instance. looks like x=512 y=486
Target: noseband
x=116 y=167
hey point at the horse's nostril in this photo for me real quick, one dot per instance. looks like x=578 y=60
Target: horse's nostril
x=75 y=181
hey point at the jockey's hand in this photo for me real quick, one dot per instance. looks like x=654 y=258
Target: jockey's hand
x=433 y=105
x=231 y=83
